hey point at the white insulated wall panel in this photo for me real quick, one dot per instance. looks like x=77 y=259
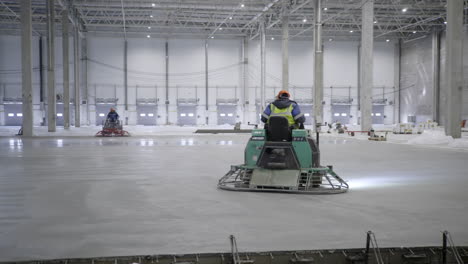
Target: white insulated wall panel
x=59 y=65
x=186 y=67
x=10 y=65
x=187 y=75
x=224 y=63
x=105 y=67
x=384 y=58
x=301 y=65
x=146 y=66
x=340 y=64
x=10 y=71
x=416 y=80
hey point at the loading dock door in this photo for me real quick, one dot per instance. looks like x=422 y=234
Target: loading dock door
x=186 y=115
x=101 y=112
x=308 y=111
x=146 y=115
x=227 y=114
x=13 y=114
x=378 y=114
x=340 y=113
x=59 y=121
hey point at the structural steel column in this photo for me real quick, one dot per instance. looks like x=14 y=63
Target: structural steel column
x=245 y=94
x=26 y=67
x=318 y=66
x=206 y=79
x=41 y=70
x=76 y=49
x=66 y=70
x=366 y=62
x=285 y=46
x=84 y=55
x=454 y=67
x=396 y=82
x=51 y=97
x=125 y=75
x=262 y=66
x=167 y=81
x=436 y=75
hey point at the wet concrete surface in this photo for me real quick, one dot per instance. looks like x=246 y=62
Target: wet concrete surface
x=85 y=197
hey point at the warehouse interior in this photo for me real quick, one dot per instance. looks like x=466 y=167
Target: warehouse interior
x=380 y=84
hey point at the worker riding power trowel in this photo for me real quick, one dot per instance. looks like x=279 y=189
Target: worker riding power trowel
x=282 y=158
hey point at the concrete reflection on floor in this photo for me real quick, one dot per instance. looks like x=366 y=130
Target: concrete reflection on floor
x=82 y=197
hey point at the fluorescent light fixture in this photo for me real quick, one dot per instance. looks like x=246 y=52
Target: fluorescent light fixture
x=190 y=114
x=142 y=114
x=404 y=10
x=150 y=114
x=230 y=17
x=272 y=38
x=11 y=114
x=336 y=114
x=378 y=114
x=59 y=114
x=151 y=16
x=148 y=36
x=445 y=22
x=153 y=4
x=19 y=114
x=372 y=114
x=101 y=114
x=212 y=36
x=306 y=114
x=230 y=114
x=344 y=114
x=183 y=114
x=387 y=40
x=222 y=114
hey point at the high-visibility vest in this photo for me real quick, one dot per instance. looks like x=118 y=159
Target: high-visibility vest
x=286 y=112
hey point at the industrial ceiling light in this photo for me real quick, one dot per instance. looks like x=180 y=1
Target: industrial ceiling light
x=330 y=39
x=304 y=20
x=151 y=16
x=445 y=22
x=230 y=17
x=404 y=10
x=153 y=4
x=149 y=27
x=272 y=38
x=414 y=32
x=325 y=9
x=148 y=36
x=375 y=21
x=388 y=40
x=351 y=31
x=242 y=5
x=212 y=36
x=220 y=28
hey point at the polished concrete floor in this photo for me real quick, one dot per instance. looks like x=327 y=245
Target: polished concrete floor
x=84 y=196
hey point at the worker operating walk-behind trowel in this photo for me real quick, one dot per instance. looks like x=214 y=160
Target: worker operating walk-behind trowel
x=282 y=157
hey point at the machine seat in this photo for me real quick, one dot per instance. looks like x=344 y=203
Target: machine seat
x=278 y=129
